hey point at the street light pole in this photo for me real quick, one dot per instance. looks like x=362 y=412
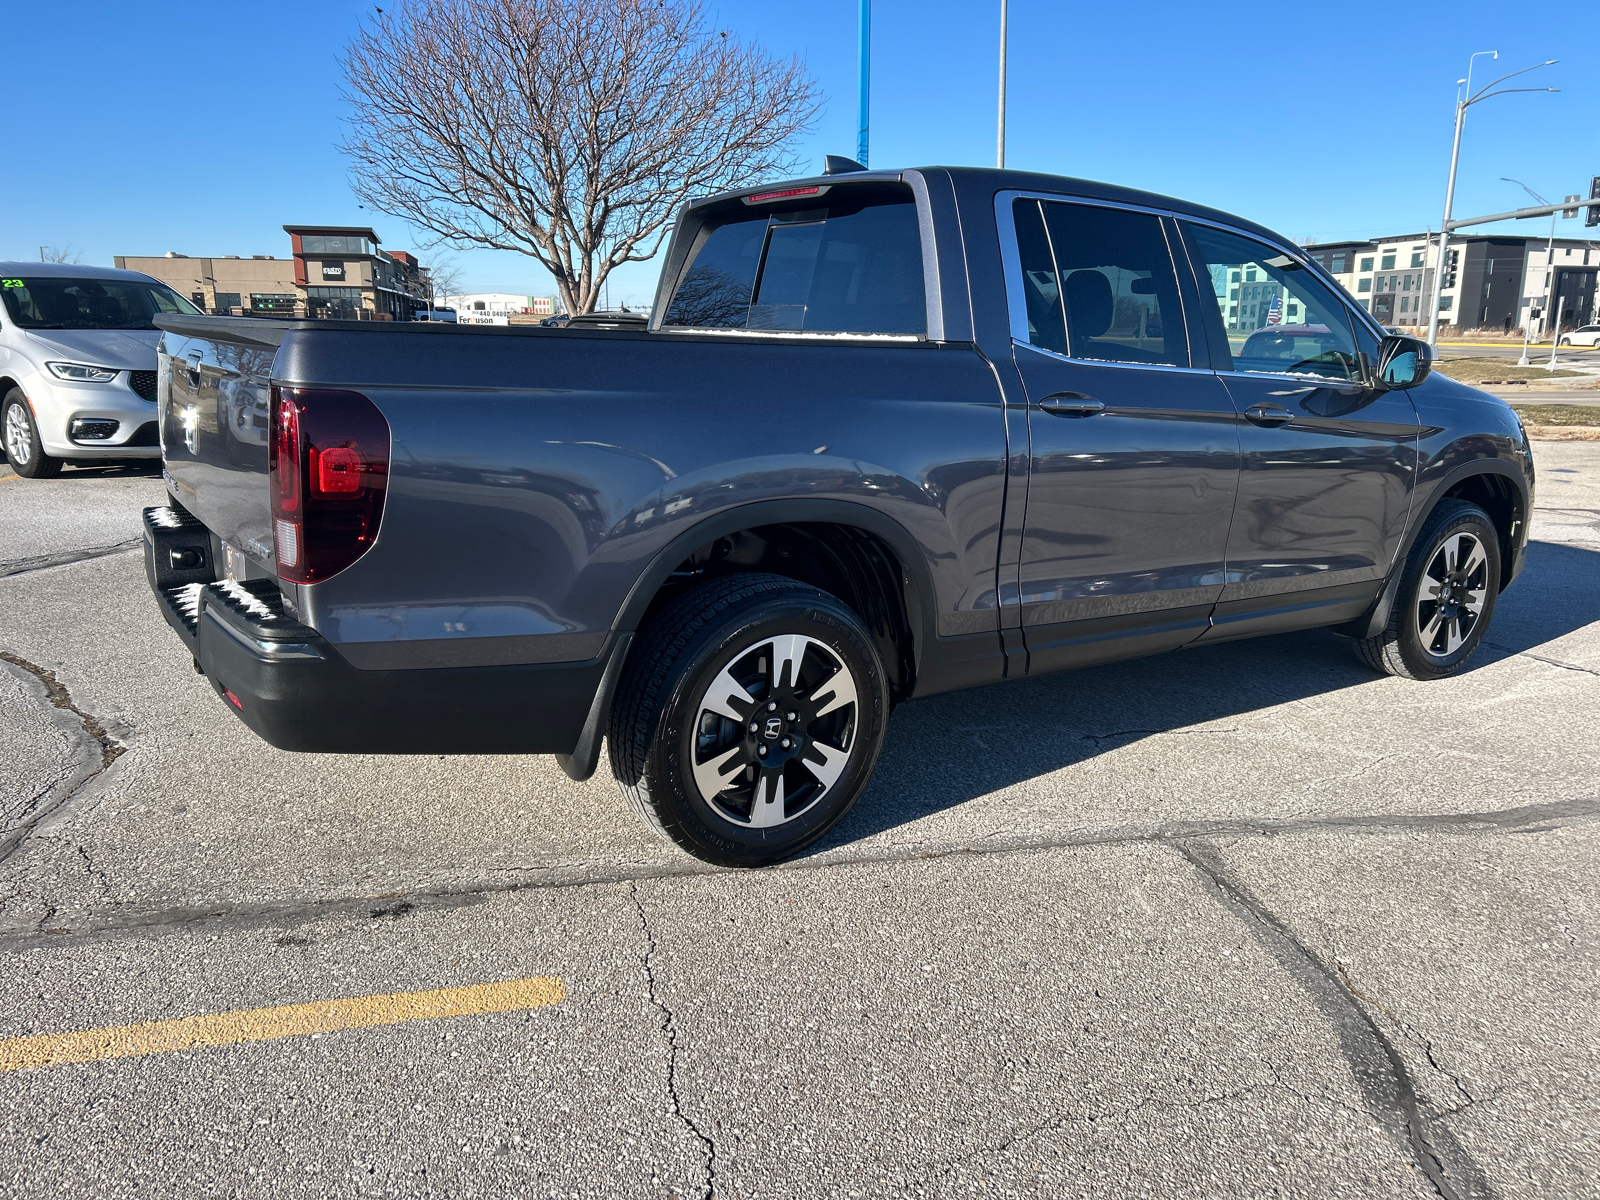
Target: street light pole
x=1000 y=135
x=1465 y=99
x=864 y=81
x=1444 y=230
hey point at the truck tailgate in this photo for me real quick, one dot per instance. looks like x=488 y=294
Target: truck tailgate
x=214 y=392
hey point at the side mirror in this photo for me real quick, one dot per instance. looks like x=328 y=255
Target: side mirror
x=1403 y=362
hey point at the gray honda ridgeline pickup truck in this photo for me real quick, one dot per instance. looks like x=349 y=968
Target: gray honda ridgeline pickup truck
x=886 y=434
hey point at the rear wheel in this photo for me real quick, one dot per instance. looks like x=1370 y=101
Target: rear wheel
x=1445 y=599
x=21 y=437
x=748 y=719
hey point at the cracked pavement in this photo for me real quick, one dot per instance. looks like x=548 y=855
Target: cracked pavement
x=1239 y=921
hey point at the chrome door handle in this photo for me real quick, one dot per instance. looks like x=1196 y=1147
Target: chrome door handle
x=1269 y=415
x=1071 y=404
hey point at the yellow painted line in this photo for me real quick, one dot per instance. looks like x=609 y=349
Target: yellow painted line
x=267 y=1024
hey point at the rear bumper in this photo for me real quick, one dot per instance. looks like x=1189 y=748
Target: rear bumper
x=293 y=688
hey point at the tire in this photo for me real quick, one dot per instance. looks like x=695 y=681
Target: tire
x=21 y=437
x=723 y=651
x=1566 y=341
x=1459 y=548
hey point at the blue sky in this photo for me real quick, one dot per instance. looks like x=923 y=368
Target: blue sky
x=132 y=128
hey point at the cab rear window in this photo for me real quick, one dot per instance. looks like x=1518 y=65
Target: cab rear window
x=851 y=264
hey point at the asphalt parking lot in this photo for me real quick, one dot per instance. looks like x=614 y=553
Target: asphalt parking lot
x=1245 y=921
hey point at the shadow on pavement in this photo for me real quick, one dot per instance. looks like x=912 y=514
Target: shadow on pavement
x=1557 y=592
x=142 y=468
x=946 y=750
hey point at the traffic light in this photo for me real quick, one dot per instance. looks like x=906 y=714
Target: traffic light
x=1594 y=209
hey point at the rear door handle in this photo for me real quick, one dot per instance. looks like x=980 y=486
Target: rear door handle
x=1071 y=404
x=1269 y=415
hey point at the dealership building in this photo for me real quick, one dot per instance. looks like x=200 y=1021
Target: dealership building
x=332 y=271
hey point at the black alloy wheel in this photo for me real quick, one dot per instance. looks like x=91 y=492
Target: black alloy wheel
x=21 y=437
x=1445 y=599
x=748 y=718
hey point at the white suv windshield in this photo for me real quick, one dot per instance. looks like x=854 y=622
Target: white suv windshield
x=60 y=303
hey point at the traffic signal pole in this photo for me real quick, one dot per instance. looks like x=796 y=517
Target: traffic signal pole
x=1465 y=100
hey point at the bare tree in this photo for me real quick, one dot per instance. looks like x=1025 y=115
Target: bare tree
x=58 y=254
x=444 y=279
x=568 y=130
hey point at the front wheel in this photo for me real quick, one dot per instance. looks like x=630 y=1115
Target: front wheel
x=21 y=436
x=1445 y=598
x=1566 y=341
x=748 y=719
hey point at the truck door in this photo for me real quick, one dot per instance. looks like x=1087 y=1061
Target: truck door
x=1134 y=451
x=1328 y=462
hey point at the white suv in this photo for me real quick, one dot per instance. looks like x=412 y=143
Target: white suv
x=78 y=364
x=1588 y=335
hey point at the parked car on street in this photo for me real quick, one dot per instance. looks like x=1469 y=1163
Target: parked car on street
x=1587 y=335
x=78 y=364
x=886 y=434
x=435 y=314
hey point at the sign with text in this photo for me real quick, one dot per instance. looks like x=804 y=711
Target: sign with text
x=333 y=271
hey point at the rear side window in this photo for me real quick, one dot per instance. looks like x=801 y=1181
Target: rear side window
x=1100 y=282
x=851 y=266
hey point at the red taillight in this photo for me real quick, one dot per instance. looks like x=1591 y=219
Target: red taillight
x=329 y=467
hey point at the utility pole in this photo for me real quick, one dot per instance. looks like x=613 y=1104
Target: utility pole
x=1549 y=258
x=1000 y=135
x=1465 y=99
x=864 y=81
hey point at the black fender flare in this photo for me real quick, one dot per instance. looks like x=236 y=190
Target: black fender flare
x=1377 y=616
x=916 y=581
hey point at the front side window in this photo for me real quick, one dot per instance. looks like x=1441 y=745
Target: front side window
x=1100 y=281
x=852 y=264
x=1304 y=330
x=34 y=302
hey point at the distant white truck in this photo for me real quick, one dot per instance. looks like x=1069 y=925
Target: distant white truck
x=78 y=364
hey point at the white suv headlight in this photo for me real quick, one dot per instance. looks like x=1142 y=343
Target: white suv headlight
x=82 y=374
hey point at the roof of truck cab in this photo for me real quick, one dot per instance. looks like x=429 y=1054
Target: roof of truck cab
x=992 y=180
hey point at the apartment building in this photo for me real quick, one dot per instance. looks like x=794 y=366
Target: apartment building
x=1490 y=282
